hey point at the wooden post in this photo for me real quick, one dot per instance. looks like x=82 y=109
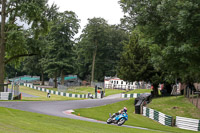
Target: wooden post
x=192 y=96
x=185 y=91
x=189 y=93
x=197 y=100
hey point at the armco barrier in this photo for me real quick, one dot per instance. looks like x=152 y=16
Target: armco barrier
x=55 y=92
x=5 y=96
x=158 y=116
x=134 y=95
x=188 y=123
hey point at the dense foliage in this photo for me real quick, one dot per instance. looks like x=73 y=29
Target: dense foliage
x=157 y=41
x=171 y=28
x=98 y=50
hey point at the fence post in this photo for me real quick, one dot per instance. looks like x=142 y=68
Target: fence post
x=189 y=93
x=173 y=122
x=185 y=91
x=192 y=97
x=197 y=100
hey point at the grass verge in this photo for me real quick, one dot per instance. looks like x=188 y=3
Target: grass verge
x=139 y=91
x=16 y=121
x=175 y=106
x=42 y=96
x=87 y=89
x=102 y=113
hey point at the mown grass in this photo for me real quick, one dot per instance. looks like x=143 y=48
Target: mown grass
x=139 y=91
x=16 y=121
x=88 y=89
x=175 y=106
x=102 y=113
x=42 y=96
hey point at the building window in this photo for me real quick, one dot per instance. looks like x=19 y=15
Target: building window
x=117 y=82
x=122 y=82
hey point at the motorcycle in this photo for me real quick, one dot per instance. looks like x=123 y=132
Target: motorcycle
x=117 y=119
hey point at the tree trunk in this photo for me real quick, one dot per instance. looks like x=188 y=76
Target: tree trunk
x=93 y=64
x=42 y=78
x=55 y=79
x=155 y=90
x=62 y=77
x=2 y=45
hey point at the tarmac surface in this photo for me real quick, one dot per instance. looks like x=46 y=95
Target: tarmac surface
x=56 y=108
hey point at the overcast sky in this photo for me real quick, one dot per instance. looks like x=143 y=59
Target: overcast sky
x=108 y=9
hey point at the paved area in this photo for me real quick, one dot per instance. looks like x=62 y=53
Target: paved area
x=113 y=96
x=56 y=108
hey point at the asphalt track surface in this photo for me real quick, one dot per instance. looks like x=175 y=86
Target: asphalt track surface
x=62 y=108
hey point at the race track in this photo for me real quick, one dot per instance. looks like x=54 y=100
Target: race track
x=58 y=108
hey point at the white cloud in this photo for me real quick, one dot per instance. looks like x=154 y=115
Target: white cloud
x=108 y=9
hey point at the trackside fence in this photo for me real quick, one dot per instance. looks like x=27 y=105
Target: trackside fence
x=55 y=92
x=158 y=116
x=188 y=123
x=6 y=96
x=180 y=122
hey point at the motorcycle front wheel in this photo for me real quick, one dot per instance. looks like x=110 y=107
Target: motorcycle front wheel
x=121 y=122
x=109 y=121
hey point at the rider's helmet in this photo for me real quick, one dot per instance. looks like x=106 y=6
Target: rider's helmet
x=125 y=109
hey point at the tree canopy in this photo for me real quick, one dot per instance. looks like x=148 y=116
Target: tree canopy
x=13 y=42
x=99 y=49
x=171 y=29
x=135 y=64
x=58 y=53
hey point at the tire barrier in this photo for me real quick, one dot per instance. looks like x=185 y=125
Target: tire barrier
x=134 y=95
x=158 y=116
x=188 y=123
x=142 y=100
x=55 y=92
x=6 y=96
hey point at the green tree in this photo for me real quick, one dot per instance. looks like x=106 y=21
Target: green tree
x=12 y=39
x=117 y=36
x=172 y=30
x=135 y=63
x=99 y=49
x=59 y=54
x=92 y=42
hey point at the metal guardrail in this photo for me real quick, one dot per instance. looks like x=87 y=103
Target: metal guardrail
x=158 y=116
x=188 y=123
x=5 y=96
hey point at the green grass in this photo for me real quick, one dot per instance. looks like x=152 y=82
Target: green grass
x=42 y=96
x=16 y=121
x=113 y=91
x=87 y=89
x=102 y=113
x=139 y=91
x=175 y=106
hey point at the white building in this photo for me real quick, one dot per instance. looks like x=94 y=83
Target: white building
x=117 y=83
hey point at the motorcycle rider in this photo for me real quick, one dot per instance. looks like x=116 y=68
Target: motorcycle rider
x=121 y=111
